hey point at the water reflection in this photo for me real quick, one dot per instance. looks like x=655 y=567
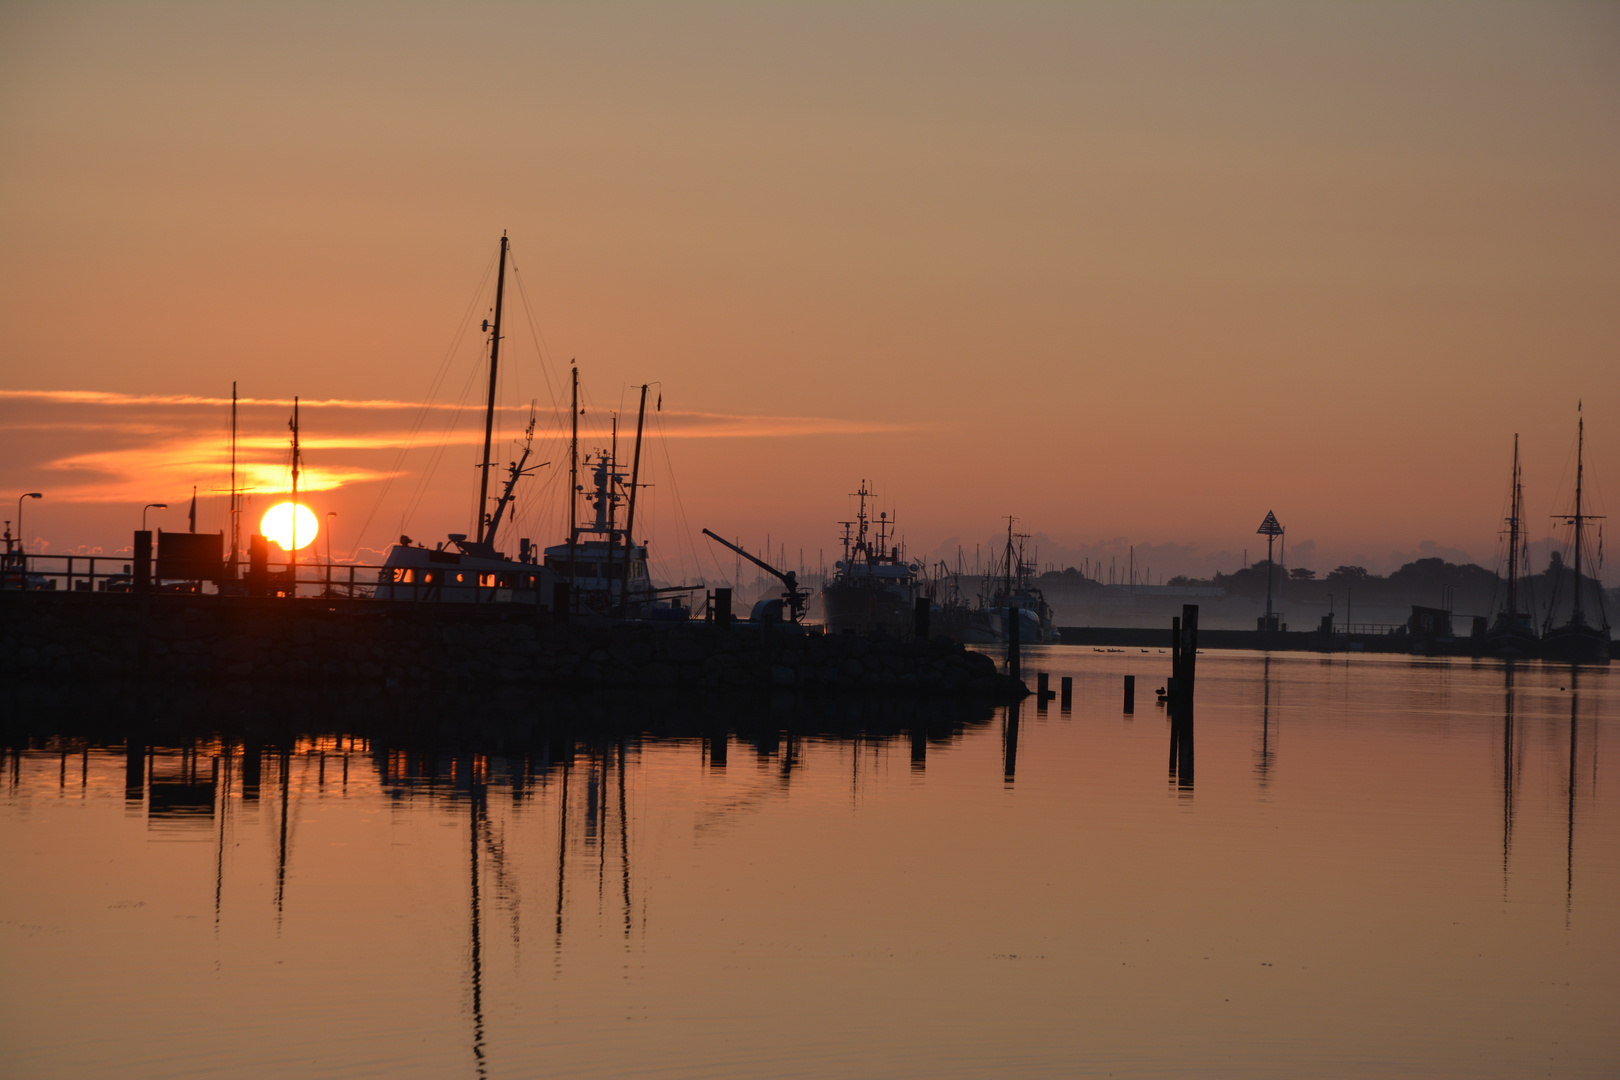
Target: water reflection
x=587 y=814
x=1267 y=754
x=1509 y=772
x=1574 y=739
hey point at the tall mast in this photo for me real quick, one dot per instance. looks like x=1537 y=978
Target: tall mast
x=1580 y=442
x=608 y=493
x=236 y=518
x=1513 y=541
x=489 y=408
x=573 y=489
x=630 y=513
x=292 y=556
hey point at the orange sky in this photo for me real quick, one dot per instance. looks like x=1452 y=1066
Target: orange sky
x=1134 y=273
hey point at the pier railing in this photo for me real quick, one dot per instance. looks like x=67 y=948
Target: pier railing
x=116 y=573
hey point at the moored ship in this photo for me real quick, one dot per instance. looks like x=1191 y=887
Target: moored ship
x=874 y=589
x=1512 y=636
x=473 y=570
x=1578 y=641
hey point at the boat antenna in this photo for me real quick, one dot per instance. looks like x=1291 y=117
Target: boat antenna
x=489 y=407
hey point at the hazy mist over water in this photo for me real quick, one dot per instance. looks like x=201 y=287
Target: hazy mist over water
x=1371 y=864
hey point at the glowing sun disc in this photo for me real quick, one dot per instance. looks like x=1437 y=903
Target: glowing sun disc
x=277 y=526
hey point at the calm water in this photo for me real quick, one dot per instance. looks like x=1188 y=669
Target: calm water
x=1378 y=866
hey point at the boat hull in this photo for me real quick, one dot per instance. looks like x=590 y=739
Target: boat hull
x=1577 y=645
x=868 y=609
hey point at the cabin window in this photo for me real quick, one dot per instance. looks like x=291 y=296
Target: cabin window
x=486 y=581
x=402 y=576
x=460 y=578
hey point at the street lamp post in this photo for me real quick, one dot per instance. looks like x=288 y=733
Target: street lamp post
x=21 y=543
x=151 y=506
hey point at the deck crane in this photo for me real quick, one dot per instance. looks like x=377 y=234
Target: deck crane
x=794 y=598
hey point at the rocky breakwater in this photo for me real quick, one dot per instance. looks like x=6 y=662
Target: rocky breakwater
x=180 y=637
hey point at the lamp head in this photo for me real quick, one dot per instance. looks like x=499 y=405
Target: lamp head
x=34 y=495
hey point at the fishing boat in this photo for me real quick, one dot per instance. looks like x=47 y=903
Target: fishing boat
x=960 y=619
x=463 y=569
x=874 y=588
x=1577 y=641
x=1013 y=589
x=1512 y=636
x=602 y=568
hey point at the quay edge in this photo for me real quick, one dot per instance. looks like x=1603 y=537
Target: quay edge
x=185 y=637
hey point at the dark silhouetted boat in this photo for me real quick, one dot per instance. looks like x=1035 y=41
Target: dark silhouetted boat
x=874 y=589
x=1577 y=641
x=1513 y=635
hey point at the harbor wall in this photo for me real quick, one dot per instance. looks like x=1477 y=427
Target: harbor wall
x=180 y=637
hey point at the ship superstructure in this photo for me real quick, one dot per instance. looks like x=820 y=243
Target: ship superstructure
x=874 y=588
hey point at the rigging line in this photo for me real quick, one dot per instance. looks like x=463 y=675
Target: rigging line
x=680 y=504
x=426 y=478
x=541 y=349
x=422 y=413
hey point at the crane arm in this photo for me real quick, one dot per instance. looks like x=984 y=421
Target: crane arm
x=789 y=578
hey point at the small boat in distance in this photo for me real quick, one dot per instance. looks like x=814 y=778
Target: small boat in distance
x=1513 y=635
x=1015 y=588
x=1577 y=641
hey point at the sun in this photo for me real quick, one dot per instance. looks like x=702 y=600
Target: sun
x=277 y=525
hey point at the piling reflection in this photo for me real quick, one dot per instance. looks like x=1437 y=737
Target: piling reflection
x=1009 y=743
x=1574 y=740
x=1509 y=771
x=1267 y=754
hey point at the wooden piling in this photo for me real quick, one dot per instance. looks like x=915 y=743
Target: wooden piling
x=143 y=560
x=1067 y=687
x=1014 y=667
x=1130 y=693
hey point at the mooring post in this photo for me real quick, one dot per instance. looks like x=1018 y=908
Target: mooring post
x=920 y=613
x=1014 y=667
x=143 y=560
x=1187 y=671
x=1042 y=694
x=258 y=565
x=722 y=608
x=1068 y=694
x=1130 y=693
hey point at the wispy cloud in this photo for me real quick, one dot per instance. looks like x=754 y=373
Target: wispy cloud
x=102 y=446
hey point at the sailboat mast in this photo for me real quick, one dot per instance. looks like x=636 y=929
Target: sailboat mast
x=292 y=555
x=489 y=408
x=630 y=512
x=573 y=488
x=1513 y=541
x=236 y=517
x=1580 y=443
